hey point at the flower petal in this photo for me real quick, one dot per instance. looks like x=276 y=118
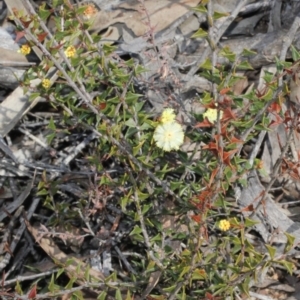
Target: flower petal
x=169 y=136
x=167 y=116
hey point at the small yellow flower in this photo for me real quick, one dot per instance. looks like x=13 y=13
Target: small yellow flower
x=46 y=83
x=169 y=136
x=167 y=116
x=211 y=114
x=25 y=49
x=224 y=225
x=70 y=51
x=90 y=11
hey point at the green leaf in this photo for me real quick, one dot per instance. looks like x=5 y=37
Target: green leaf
x=174 y=185
x=239 y=258
x=183 y=294
x=33 y=96
x=249 y=245
x=235 y=221
x=136 y=230
x=221 y=289
x=200 y=33
x=146 y=208
x=156 y=238
x=111 y=277
x=290 y=242
x=288 y=265
x=186 y=253
x=234 y=79
x=43 y=192
x=228 y=173
x=206 y=97
x=170 y=288
x=142 y=196
x=271 y=250
x=226 y=52
x=118 y=295
x=50 y=138
x=244 y=66
x=295 y=53
x=55 y=3
x=146 y=125
x=199 y=274
x=102 y=296
x=139 y=106
x=51 y=124
x=207 y=65
x=279 y=65
x=132 y=97
x=184 y=271
x=44 y=13
x=78 y=295
x=248 y=52
x=268 y=95
x=59 y=35
x=81 y=10
x=131 y=123
x=217 y=15
x=244 y=287
x=18 y=288
x=260 y=127
x=268 y=76
x=250 y=222
x=139 y=69
x=210 y=256
x=87 y=275
x=108 y=49
x=200 y=8
x=59 y=272
x=51 y=286
x=137 y=148
x=128 y=296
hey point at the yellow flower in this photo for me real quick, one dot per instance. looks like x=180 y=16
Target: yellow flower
x=46 y=83
x=25 y=49
x=167 y=116
x=169 y=136
x=224 y=225
x=70 y=51
x=211 y=114
x=90 y=11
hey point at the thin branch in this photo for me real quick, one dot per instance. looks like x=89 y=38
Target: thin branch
x=221 y=29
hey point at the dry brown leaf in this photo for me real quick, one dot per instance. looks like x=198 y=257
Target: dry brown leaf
x=295 y=85
x=71 y=236
x=74 y=267
x=162 y=14
x=240 y=86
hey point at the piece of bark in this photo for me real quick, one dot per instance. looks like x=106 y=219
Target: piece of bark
x=266 y=45
x=272 y=219
x=10 y=77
